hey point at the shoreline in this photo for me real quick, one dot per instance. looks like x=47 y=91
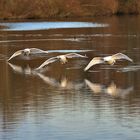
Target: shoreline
x=74 y=18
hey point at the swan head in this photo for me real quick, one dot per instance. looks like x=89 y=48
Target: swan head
x=112 y=61
x=63 y=59
x=27 y=52
x=109 y=60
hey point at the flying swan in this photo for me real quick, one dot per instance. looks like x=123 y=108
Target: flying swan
x=61 y=58
x=27 y=52
x=108 y=59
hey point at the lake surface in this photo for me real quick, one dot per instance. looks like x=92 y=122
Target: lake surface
x=63 y=102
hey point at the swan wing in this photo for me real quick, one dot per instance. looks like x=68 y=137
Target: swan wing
x=36 y=50
x=47 y=62
x=118 y=56
x=94 y=61
x=17 y=53
x=74 y=55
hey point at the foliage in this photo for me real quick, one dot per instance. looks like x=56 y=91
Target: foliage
x=66 y=8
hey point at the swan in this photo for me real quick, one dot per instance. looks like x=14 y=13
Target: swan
x=61 y=58
x=108 y=59
x=27 y=52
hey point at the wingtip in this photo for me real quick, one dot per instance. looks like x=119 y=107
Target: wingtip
x=8 y=60
x=131 y=60
x=85 y=69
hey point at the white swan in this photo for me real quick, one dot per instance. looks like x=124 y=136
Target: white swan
x=61 y=58
x=27 y=52
x=108 y=59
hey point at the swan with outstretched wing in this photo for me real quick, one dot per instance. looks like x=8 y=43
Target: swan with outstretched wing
x=62 y=58
x=108 y=59
x=27 y=52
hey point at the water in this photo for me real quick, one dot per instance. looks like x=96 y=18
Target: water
x=28 y=26
x=64 y=102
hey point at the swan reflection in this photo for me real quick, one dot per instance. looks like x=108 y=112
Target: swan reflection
x=63 y=83
x=96 y=88
x=22 y=70
x=111 y=89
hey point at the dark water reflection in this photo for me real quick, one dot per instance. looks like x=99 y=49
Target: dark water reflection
x=63 y=102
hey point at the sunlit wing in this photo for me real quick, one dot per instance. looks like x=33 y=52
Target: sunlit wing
x=121 y=56
x=47 y=62
x=17 y=53
x=74 y=55
x=94 y=61
x=36 y=50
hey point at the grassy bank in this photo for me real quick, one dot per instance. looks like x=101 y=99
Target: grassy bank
x=21 y=9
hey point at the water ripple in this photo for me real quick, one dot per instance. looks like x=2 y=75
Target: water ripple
x=129 y=68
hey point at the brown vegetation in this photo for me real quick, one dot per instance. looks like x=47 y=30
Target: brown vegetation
x=129 y=7
x=66 y=8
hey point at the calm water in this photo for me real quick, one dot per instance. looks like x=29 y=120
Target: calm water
x=64 y=102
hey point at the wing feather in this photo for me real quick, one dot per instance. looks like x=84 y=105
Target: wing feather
x=17 y=53
x=47 y=62
x=36 y=50
x=118 y=56
x=94 y=61
x=74 y=55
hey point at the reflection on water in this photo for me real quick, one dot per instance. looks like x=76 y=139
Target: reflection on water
x=111 y=90
x=27 y=26
x=64 y=102
x=22 y=70
x=129 y=68
x=64 y=83
x=35 y=40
